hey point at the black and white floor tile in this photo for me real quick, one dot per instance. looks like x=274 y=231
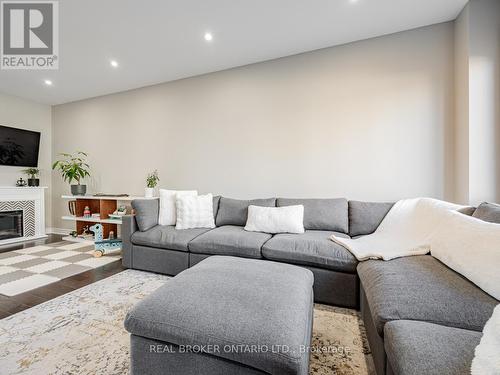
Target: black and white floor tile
x=33 y=267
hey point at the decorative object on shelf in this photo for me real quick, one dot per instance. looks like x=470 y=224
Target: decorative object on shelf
x=111 y=235
x=73 y=167
x=119 y=212
x=104 y=195
x=20 y=182
x=86 y=212
x=33 y=174
x=72 y=207
x=96 y=216
x=151 y=182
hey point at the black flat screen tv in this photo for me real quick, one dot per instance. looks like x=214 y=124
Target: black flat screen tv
x=19 y=147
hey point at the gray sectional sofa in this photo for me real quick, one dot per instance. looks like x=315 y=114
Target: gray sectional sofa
x=163 y=249
x=420 y=316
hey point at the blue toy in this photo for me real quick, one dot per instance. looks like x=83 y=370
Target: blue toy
x=97 y=229
x=102 y=246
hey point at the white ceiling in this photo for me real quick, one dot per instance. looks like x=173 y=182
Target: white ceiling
x=162 y=40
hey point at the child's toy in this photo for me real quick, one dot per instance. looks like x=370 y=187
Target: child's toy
x=102 y=246
x=118 y=213
x=86 y=212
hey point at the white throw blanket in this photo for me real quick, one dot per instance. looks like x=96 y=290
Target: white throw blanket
x=406 y=230
x=467 y=245
x=487 y=355
x=470 y=247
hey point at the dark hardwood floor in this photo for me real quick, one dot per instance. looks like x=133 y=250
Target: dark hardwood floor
x=14 y=304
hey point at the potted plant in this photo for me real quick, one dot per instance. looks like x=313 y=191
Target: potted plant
x=32 y=173
x=73 y=167
x=151 y=182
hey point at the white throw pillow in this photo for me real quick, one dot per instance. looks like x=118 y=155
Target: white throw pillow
x=168 y=211
x=486 y=359
x=288 y=219
x=195 y=211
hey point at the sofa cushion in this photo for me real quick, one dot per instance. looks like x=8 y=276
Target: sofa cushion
x=365 y=217
x=237 y=303
x=146 y=213
x=230 y=240
x=422 y=288
x=216 y=201
x=312 y=248
x=235 y=211
x=167 y=237
x=488 y=212
x=321 y=214
x=414 y=347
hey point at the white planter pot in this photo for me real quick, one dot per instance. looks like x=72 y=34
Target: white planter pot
x=149 y=192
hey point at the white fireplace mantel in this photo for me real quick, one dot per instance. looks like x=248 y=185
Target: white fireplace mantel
x=13 y=194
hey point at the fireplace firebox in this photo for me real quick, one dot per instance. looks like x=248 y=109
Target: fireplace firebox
x=11 y=224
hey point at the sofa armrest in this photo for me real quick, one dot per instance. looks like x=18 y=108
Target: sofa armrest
x=129 y=226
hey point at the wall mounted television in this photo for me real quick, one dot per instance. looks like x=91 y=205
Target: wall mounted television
x=19 y=147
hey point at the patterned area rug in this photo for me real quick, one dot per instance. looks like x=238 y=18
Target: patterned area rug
x=82 y=332
x=33 y=267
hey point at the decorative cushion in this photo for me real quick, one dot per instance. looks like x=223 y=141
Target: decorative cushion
x=168 y=210
x=216 y=205
x=422 y=288
x=321 y=214
x=146 y=213
x=423 y=348
x=468 y=210
x=230 y=240
x=486 y=359
x=195 y=211
x=275 y=219
x=365 y=217
x=488 y=212
x=312 y=248
x=235 y=211
x=167 y=237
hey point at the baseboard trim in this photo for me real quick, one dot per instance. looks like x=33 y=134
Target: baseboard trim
x=61 y=231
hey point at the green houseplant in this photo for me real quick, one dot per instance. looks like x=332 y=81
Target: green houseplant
x=73 y=167
x=151 y=182
x=32 y=173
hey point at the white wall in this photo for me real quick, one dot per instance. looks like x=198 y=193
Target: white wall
x=370 y=120
x=477 y=105
x=484 y=100
x=462 y=107
x=25 y=114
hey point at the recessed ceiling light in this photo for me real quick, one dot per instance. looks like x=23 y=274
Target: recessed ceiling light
x=208 y=37
x=114 y=63
x=353 y=1
x=48 y=82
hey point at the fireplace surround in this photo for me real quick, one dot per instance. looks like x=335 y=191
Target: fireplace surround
x=22 y=213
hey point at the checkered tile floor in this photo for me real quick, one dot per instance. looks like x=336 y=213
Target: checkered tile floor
x=33 y=267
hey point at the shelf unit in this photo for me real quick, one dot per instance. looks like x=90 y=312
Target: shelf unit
x=97 y=204
x=92 y=219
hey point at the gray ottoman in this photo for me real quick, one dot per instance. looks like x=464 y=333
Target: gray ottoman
x=225 y=315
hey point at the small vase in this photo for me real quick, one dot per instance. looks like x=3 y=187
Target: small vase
x=78 y=189
x=149 y=192
x=33 y=182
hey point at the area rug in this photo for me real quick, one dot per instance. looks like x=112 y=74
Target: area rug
x=33 y=267
x=82 y=332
